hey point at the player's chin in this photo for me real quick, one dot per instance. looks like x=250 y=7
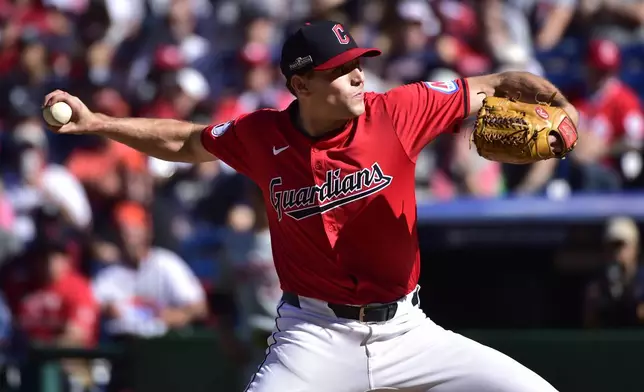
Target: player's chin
x=356 y=108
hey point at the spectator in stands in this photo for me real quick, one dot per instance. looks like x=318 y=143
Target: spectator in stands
x=421 y=46
x=516 y=29
x=182 y=29
x=103 y=167
x=411 y=56
x=461 y=172
x=206 y=192
x=180 y=92
x=51 y=301
x=621 y=21
x=460 y=39
x=152 y=290
x=612 y=121
x=260 y=87
x=254 y=282
x=616 y=298
x=32 y=181
x=31 y=74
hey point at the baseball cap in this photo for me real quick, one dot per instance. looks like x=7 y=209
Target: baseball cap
x=604 y=55
x=131 y=214
x=320 y=45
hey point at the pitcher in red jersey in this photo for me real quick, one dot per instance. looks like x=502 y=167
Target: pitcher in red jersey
x=337 y=173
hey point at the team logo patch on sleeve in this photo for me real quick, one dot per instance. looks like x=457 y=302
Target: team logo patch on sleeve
x=449 y=87
x=220 y=129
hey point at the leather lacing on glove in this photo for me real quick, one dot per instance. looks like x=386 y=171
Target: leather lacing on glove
x=516 y=138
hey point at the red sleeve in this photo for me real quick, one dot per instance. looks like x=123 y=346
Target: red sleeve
x=229 y=142
x=421 y=111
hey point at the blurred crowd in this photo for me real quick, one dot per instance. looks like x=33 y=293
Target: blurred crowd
x=100 y=243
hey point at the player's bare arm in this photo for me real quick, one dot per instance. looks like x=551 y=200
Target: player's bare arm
x=524 y=86
x=167 y=139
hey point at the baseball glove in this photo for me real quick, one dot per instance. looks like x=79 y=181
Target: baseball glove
x=510 y=131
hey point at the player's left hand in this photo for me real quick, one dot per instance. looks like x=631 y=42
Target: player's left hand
x=510 y=131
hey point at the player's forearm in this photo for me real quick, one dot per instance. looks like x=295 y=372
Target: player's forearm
x=528 y=87
x=166 y=139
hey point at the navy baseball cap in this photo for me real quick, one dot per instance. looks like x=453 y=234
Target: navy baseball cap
x=319 y=46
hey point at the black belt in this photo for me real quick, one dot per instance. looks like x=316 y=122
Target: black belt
x=367 y=314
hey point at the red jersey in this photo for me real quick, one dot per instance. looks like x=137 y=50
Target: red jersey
x=44 y=311
x=613 y=113
x=342 y=208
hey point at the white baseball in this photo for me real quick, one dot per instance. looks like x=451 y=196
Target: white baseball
x=57 y=114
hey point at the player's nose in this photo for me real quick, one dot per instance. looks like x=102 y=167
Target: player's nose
x=357 y=76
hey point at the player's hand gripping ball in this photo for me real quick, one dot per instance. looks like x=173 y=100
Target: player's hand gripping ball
x=510 y=131
x=57 y=114
x=67 y=114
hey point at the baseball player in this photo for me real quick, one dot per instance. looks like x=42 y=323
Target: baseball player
x=336 y=169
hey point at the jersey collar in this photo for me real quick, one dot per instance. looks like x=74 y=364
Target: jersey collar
x=327 y=140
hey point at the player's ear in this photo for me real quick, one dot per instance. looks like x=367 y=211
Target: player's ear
x=299 y=84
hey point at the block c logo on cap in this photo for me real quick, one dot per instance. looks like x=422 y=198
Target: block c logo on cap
x=340 y=34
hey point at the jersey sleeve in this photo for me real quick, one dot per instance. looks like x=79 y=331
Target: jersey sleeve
x=421 y=111
x=230 y=141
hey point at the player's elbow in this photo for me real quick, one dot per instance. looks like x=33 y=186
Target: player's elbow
x=189 y=154
x=179 y=154
x=191 y=150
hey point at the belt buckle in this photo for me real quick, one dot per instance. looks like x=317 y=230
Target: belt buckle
x=361 y=314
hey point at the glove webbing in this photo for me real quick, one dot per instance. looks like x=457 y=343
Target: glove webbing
x=518 y=124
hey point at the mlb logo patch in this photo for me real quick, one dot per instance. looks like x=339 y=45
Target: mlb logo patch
x=449 y=87
x=220 y=129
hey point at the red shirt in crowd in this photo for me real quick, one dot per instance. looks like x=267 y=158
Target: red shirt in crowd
x=613 y=113
x=342 y=208
x=44 y=311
